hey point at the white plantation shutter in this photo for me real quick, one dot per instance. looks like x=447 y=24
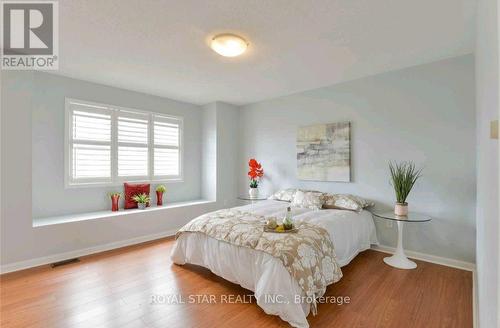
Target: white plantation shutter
x=166 y=162
x=132 y=161
x=166 y=146
x=91 y=161
x=133 y=144
x=89 y=143
x=109 y=145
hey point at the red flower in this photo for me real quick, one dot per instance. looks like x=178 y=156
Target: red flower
x=252 y=163
x=255 y=169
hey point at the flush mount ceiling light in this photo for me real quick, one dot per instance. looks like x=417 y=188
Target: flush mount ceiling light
x=228 y=45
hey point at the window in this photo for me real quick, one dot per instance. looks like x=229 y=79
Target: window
x=109 y=145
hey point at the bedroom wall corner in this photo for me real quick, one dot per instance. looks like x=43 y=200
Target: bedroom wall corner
x=209 y=152
x=220 y=153
x=227 y=153
x=424 y=113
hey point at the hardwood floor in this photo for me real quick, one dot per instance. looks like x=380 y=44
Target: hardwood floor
x=115 y=289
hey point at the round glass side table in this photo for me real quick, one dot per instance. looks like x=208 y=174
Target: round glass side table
x=399 y=259
x=252 y=199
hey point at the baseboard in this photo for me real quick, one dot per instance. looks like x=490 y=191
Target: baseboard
x=82 y=252
x=430 y=258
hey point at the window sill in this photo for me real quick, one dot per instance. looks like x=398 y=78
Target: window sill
x=46 y=221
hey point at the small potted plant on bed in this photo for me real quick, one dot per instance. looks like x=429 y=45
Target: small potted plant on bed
x=255 y=173
x=159 y=194
x=403 y=176
x=142 y=200
x=115 y=198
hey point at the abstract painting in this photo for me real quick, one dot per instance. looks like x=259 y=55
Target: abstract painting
x=324 y=153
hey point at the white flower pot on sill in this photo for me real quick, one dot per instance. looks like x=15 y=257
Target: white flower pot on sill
x=141 y=206
x=253 y=192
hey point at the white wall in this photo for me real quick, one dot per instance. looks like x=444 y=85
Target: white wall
x=16 y=166
x=209 y=152
x=228 y=144
x=220 y=153
x=425 y=114
x=487 y=89
x=49 y=195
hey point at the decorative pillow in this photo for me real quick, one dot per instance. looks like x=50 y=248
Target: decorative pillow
x=285 y=195
x=130 y=190
x=345 y=202
x=363 y=202
x=308 y=199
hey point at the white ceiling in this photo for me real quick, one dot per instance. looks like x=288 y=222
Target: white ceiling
x=160 y=47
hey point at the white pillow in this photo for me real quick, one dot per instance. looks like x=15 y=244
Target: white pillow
x=345 y=202
x=285 y=195
x=308 y=199
x=363 y=202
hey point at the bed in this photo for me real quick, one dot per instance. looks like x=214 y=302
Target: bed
x=265 y=275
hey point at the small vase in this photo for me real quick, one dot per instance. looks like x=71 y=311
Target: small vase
x=253 y=192
x=141 y=206
x=159 y=198
x=114 y=203
x=401 y=209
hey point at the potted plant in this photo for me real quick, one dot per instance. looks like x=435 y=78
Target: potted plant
x=115 y=198
x=159 y=194
x=255 y=173
x=403 y=176
x=142 y=200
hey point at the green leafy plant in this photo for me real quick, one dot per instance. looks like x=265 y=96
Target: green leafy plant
x=161 y=188
x=254 y=183
x=114 y=194
x=141 y=198
x=403 y=176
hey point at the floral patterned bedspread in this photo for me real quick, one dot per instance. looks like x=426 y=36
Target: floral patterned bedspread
x=308 y=254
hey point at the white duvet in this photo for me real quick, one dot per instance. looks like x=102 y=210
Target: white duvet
x=275 y=290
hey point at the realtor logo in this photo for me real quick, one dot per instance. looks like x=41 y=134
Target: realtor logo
x=30 y=35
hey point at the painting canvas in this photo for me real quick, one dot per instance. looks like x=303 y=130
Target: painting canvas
x=323 y=152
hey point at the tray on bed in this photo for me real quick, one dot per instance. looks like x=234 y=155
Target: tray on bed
x=294 y=229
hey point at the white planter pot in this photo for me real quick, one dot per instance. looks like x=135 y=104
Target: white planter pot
x=253 y=192
x=401 y=209
x=141 y=206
